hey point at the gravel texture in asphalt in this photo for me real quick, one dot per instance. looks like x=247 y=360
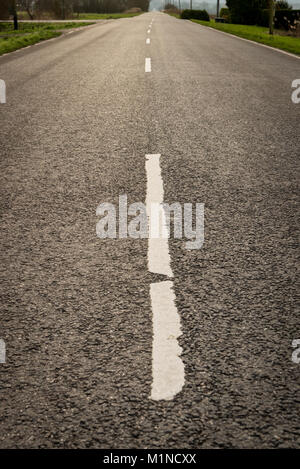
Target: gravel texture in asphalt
x=81 y=115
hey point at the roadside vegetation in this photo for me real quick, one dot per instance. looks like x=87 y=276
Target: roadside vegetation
x=257 y=34
x=31 y=33
x=172 y=10
x=71 y=9
x=253 y=21
x=173 y=13
x=23 y=16
x=18 y=30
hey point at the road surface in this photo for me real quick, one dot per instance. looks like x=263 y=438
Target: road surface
x=81 y=115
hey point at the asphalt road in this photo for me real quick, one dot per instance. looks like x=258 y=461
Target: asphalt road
x=81 y=115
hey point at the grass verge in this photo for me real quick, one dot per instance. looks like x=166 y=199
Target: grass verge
x=257 y=34
x=30 y=33
x=171 y=13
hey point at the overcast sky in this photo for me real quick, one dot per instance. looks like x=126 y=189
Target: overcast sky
x=211 y=4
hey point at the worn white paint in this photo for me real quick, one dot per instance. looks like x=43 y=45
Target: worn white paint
x=148 y=65
x=159 y=261
x=167 y=366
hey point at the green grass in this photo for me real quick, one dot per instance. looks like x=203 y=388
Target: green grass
x=23 y=15
x=11 y=43
x=171 y=13
x=7 y=28
x=108 y=16
x=257 y=34
x=30 y=33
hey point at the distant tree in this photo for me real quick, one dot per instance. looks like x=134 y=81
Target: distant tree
x=4 y=9
x=142 y=4
x=246 y=11
x=28 y=6
x=14 y=12
x=283 y=5
x=224 y=13
x=58 y=8
x=78 y=6
x=65 y=8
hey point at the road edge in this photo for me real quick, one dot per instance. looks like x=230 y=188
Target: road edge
x=249 y=40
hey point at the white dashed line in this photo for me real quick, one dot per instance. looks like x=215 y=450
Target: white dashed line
x=2 y=351
x=167 y=367
x=147 y=65
x=148 y=40
x=158 y=248
x=2 y=92
x=149 y=31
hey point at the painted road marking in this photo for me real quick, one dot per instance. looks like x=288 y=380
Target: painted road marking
x=2 y=92
x=167 y=366
x=149 y=31
x=2 y=351
x=148 y=40
x=159 y=261
x=147 y=65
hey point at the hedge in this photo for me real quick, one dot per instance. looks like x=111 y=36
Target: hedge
x=283 y=18
x=195 y=15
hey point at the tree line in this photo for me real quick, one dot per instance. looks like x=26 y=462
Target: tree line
x=65 y=8
x=251 y=11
